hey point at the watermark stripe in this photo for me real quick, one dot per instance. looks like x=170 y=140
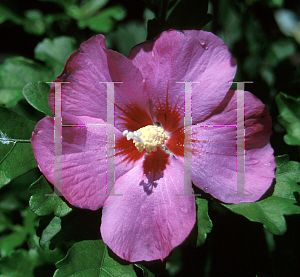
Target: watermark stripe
x=57 y=139
x=240 y=143
x=110 y=140
x=188 y=158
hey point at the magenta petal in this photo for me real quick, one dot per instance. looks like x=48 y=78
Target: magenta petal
x=196 y=56
x=147 y=226
x=214 y=151
x=84 y=162
x=85 y=96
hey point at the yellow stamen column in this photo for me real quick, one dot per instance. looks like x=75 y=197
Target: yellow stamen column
x=149 y=138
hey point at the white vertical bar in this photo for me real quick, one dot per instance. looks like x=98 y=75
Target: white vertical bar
x=188 y=158
x=110 y=139
x=240 y=143
x=57 y=140
x=188 y=136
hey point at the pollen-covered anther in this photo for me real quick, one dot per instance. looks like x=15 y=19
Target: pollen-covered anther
x=149 y=138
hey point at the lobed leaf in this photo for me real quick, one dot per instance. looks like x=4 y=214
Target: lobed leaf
x=105 y=20
x=16 y=156
x=284 y=201
x=289 y=117
x=86 y=9
x=34 y=22
x=55 y=52
x=91 y=258
x=42 y=204
x=127 y=36
x=15 y=73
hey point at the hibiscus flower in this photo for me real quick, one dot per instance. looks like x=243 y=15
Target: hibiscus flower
x=150 y=208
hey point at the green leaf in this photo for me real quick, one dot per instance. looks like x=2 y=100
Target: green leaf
x=230 y=19
x=105 y=20
x=146 y=271
x=86 y=10
x=283 y=49
x=127 y=36
x=5 y=222
x=80 y=224
x=204 y=223
x=22 y=263
x=29 y=221
x=55 y=52
x=48 y=235
x=34 y=22
x=16 y=156
x=289 y=117
x=65 y=3
x=18 y=236
x=90 y=258
x=41 y=204
x=12 y=241
x=7 y=14
x=37 y=95
x=284 y=201
x=15 y=73
x=276 y=3
x=15 y=197
x=19 y=264
x=175 y=262
x=10 y=199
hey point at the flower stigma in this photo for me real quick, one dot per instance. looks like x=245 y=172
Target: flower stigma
x=149 y=138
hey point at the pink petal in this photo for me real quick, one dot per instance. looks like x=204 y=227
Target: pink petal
x=84 y=162
x=85 y=96
x=149 y=219
x=196 y=56
x=214 y=151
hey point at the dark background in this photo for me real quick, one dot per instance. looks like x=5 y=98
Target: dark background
x=266 y=56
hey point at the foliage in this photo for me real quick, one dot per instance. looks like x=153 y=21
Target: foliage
x=91 y=258
x=16 y=157
x=42 y=235
x=289 y=117
x=204 y=223
x=284 y=200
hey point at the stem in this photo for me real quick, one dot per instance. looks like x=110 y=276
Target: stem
x=15 y=140
x=163 y=10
